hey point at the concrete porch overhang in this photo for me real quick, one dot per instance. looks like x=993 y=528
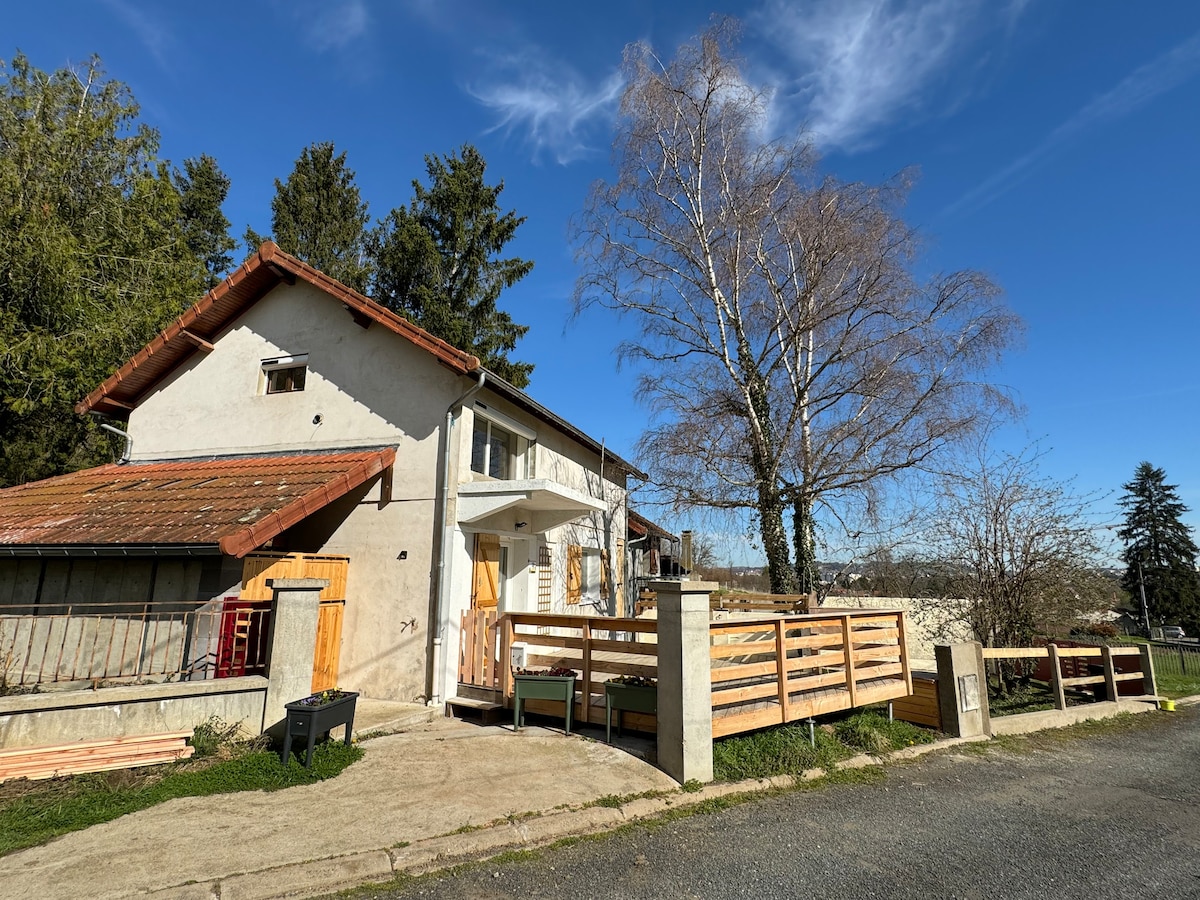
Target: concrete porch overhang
x=542 y=504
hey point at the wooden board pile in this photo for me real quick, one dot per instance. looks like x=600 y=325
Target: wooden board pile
x=94 y=756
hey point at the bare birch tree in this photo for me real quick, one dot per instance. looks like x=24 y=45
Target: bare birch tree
x=790 y=357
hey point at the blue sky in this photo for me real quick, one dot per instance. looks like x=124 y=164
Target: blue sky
x=1057 y=144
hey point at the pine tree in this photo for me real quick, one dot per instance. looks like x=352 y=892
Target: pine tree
x=437 y=262
x=93 y=257
x=202 y=189
x=1159 y=554
x=318 y=216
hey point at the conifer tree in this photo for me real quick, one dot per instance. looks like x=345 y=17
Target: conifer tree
x=202 y=189
x=93 y=257
x=437 y=262
x=1160 y=555
x=318 y=216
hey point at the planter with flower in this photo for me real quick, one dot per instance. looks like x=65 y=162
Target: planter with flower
x=557 y=683
x=315 y=715
x=628 y=693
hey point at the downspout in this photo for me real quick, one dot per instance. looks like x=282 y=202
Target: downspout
x=113 y=429
x=440 y=606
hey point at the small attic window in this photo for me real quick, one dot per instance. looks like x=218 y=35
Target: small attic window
x=284 y=374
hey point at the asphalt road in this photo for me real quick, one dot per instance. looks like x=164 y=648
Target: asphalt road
x=1115 y=814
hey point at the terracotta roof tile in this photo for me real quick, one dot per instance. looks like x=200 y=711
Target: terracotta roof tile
x=235 y=503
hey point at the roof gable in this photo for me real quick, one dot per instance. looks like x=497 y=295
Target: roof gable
x=195 y=330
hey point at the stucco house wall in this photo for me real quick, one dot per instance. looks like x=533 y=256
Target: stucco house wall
x=368 y=388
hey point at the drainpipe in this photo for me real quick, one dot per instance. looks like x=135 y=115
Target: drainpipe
x=128 y=441
x=438 y=650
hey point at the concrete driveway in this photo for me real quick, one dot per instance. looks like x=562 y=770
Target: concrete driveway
x=435 y=779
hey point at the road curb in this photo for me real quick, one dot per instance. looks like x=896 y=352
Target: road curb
x=324 y=876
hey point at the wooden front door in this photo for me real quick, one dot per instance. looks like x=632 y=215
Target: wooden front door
x=485 y=577
x=258 y=567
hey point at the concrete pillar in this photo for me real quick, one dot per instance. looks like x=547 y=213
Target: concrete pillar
x=684 y=680
x=962 y=690
x=291 y=644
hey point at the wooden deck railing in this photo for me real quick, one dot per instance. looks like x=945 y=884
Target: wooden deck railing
x=599 y=648
x=773 y=670
x=773 y=604
x=764 y=670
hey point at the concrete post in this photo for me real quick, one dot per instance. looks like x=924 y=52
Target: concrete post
x=684 y=680
x=962 y=690
x=291 y=644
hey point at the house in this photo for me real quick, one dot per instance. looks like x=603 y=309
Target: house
x=287 y=424
x=653 y=552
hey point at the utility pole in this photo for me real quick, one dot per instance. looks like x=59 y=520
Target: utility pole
x=1142 y=591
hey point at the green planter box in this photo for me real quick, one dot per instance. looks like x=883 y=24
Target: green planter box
x=542 y=687
x=627 y=698
x=307 y=721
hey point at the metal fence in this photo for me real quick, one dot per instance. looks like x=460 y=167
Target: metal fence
x=124 y=643
x=1176 y=659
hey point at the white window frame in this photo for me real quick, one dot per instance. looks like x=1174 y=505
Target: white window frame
x=524 y=440
x=275 y=364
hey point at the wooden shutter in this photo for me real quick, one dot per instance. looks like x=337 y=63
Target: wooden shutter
x=605 y=589
x=574 y=573
x=485 y=580
x=620 y=576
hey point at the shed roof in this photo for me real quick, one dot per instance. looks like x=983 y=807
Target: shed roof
x=230 y=505
x=641 y=526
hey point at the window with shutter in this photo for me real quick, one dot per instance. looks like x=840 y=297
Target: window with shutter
x=574 y=573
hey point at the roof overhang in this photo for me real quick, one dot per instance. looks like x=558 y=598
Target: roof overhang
x=109 y=550
x=539 y=503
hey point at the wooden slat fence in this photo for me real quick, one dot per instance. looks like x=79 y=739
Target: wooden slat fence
x=1068 y=667
x=921 y=707
x=772 y=604
x=775 y=670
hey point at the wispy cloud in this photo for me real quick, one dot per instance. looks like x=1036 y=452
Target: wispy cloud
x=852 y=69
x=155 y=36
x=1169 y=70
x=337 y=25
x=556 y=109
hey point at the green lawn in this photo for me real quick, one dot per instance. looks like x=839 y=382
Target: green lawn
x=33 y=812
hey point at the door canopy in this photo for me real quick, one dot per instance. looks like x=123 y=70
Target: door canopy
x=540 y=504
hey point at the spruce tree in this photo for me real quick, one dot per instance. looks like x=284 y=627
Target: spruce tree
x=438 y=262
x=318 y=216
x=1159 y=554
x=202 y=189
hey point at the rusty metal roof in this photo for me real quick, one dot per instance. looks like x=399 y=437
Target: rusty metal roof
x=234 y=504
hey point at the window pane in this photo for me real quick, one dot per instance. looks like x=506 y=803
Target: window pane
x=501 y=449
x=479 y=446
x=280 y=381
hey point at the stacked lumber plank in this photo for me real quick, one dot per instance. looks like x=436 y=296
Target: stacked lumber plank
x=94 y=756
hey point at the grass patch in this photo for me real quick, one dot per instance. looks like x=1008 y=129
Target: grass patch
x=32 y=813
x=786 y=750
x=1020 y=699
x=1176 y=686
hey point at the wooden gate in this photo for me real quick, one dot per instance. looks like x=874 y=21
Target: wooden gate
x=258 y=567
